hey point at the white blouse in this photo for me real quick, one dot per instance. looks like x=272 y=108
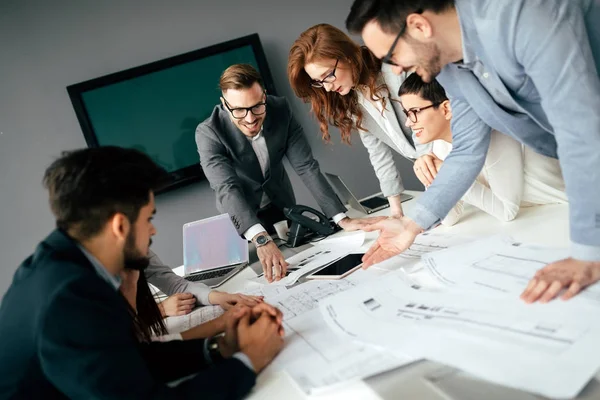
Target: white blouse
x=513 y=176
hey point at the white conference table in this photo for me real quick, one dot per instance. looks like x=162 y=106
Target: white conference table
x=545 y=225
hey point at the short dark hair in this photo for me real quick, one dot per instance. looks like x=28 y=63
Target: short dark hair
x=431 y=91
x=390 y=14
x=240 y=76
x=87 y=187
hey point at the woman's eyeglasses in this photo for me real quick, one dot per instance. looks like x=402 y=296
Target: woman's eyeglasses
x=413 y=112
x=328 y=79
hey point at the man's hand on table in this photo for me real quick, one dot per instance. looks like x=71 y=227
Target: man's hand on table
x=272 y=260
x=397 y=235
x=570 y=274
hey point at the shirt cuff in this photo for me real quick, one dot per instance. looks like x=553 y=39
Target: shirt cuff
x=585 y=252
x=245 y=359
x=200 y=292
x=253 y=231
x=422 y=216
x=338 y=217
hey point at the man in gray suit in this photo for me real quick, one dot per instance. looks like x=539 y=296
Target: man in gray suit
x=241 y=147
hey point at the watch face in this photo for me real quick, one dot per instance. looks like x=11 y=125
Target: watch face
x=261 y=239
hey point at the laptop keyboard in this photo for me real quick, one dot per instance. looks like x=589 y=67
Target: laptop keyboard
x=202 y=276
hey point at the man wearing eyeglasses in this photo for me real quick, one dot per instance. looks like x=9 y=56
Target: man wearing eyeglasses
x=528 y=68
x=241 y=147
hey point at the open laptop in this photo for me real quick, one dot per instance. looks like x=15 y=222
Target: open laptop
x=213 y=252
x=368 y=205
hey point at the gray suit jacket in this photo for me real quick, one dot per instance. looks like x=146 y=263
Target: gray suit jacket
x=234 y=173
x=163 y=277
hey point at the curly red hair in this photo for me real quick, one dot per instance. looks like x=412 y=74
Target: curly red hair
x=325 y=41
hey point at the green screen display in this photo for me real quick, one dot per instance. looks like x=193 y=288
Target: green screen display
x=158 y=112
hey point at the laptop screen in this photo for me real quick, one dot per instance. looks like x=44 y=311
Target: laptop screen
x=212 y=243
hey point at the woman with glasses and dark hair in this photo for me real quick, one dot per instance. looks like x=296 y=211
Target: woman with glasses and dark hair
x=347 y=88
x=512 y=176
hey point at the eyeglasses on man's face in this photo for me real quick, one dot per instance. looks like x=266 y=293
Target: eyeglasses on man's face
x=387 y=59
x=241 y=112
x=328 y=79
x=414 y=112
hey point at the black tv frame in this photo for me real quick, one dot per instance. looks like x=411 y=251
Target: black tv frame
x=183 y=176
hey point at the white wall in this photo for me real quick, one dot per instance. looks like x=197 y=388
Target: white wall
x=48 y=45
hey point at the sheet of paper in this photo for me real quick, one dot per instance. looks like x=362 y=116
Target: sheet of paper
x=267 y=291
x=198 y=316
x=546 y=349
x=319 y=255
x=425 y=243
x=314 y=356
x=497 y=265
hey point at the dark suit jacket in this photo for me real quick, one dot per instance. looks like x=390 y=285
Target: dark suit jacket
x=234 y=173
x=66 y=333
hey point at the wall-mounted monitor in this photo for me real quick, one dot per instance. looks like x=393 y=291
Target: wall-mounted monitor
x=156 y=107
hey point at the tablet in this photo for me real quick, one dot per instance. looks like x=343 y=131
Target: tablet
x=339 y=269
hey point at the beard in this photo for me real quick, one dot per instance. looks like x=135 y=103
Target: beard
x=134 y=259
x=428 y=64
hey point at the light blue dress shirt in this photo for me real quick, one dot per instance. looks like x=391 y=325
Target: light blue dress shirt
x=529 y=70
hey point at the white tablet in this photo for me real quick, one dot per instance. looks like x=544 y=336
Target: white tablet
x=340 y=268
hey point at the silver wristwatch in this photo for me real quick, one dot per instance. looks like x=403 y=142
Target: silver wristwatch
x=262 y=240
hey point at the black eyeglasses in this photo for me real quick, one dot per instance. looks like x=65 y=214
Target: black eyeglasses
x=328 y=79
x=412 y=113
x=387 y=59
x=241 y=112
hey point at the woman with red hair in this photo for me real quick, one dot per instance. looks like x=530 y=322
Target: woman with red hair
x=348 y=88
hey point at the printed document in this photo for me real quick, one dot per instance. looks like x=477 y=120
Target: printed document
x=549 y=349
x=314 y=356
x=498 y=265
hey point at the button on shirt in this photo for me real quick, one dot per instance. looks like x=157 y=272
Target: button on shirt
x=471 y=62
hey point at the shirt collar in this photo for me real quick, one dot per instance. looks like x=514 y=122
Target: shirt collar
x=258 y=135
x=101 y=270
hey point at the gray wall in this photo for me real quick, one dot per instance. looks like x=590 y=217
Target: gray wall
x=47 y=45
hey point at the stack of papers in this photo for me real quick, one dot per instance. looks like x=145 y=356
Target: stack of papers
x=477 y=322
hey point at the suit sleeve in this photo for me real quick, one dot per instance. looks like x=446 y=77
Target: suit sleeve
x=560 y=62
x=87 y=350
x=301 y=159
x=383 y=163
x=219 y=171
x=163 y=277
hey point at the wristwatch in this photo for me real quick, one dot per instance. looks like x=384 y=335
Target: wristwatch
x=212 y=350
x=262 y=239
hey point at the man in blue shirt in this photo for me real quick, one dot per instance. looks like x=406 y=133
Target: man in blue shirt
x=527 y=68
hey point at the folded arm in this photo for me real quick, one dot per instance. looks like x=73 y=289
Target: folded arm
x=99 y=357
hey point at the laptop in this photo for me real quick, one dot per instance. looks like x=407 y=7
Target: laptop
x=213 y=251
x=368 y=205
